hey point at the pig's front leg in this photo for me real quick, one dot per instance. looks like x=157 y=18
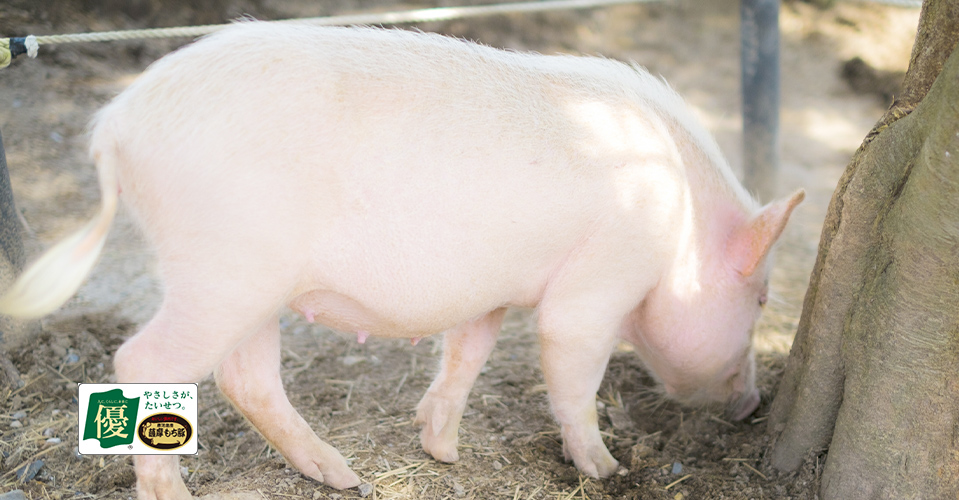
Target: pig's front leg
x=465 y=350
x=250 y=378
x=574 y=353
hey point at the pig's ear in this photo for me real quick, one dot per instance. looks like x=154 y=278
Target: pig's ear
x=749 y=244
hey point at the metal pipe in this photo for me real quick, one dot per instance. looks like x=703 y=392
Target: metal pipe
x=13 y=332
x=760 y=86
x=10 y=242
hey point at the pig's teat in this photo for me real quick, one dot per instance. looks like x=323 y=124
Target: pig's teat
x=361 y=336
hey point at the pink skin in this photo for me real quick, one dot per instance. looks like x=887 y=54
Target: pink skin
x=465 y=350
x=250 y=377
x=686 y=352
x=361 y=335
x=589 y=278
x=598 y=200
x=174 y=347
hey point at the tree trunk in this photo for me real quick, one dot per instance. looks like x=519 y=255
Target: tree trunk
x=873 y=375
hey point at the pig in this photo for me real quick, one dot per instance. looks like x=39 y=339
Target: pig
x=402 y=184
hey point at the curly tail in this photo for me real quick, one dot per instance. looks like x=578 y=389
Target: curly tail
x=50 y=281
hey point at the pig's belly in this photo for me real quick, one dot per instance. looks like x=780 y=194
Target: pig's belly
x=405 y=288
x=347 y=314
x=388 y=263
x=402 y=306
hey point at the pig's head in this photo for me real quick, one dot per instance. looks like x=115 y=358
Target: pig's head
x=694 y=329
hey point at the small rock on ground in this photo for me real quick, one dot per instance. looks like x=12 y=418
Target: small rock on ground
x=365 y=489
x=638 y=453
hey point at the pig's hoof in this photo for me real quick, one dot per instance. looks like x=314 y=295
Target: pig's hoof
x=175 y=492
x=594 y=462
x=323 y=463
x=162 y=492
x=439 y=443
x=232 y=495
x=598 y=467
x=336 y=475
x=440 y=421
x=341 y=479
x=158 y=478
x=444 y=452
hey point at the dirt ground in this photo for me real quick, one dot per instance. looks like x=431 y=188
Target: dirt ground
x=361 y=397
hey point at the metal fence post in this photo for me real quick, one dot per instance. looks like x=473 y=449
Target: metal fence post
x=12 y=331
x=760 y=86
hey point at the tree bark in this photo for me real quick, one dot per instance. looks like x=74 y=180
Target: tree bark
x=873 y=375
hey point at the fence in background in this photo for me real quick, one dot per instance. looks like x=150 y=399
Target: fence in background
x=759 y=57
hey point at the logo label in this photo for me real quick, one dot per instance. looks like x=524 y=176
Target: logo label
x=162 y=418
x=164 y=431
x=111 y=418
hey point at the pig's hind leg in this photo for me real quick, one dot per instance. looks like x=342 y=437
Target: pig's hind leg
x=227 y=320
x=183 y=343
x=465 y=350
x=250 y=378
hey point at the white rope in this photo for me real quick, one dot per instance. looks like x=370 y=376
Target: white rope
x=910 y=4
x=409 y=16
x=32 y=46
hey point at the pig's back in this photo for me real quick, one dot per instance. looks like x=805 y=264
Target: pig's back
x=407 y=171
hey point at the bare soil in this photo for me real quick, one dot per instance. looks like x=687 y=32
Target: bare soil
x=361 y=397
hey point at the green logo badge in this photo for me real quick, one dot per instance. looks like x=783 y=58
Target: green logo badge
x=111 y=418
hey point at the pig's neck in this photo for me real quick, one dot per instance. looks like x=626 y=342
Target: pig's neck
x=715 y=204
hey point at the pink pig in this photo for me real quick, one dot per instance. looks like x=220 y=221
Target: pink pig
x=401 y=184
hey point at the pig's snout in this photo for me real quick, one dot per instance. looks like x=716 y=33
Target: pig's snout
x=743 y=406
